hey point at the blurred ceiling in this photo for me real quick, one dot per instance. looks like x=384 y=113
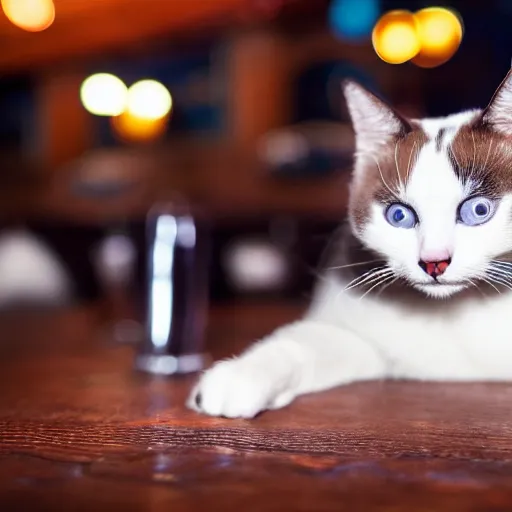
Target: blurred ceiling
x=84 y=27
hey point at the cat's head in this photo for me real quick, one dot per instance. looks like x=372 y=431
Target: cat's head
x=434 y=196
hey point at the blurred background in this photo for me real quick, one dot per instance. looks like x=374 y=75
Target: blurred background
x=108 y=107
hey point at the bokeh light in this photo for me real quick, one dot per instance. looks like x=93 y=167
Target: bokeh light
x=440 y=33
x=353 y=19
x=30 y=15
x=129 y=127
x=149 y=99
x=429 y=37
x=395 y=37
x=104 y=94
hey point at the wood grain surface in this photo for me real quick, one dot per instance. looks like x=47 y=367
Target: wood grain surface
x=79 y=430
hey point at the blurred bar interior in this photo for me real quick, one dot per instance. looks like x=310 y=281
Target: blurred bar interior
x=109 y=107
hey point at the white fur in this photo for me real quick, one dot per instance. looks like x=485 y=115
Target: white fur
x=344 y=338
x=450 y=124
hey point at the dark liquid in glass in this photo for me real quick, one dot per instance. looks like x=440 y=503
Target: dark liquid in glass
x=177 y=283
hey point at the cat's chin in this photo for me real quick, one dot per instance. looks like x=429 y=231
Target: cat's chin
x=439 y=291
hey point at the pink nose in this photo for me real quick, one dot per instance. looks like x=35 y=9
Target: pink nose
x=434 y=254
x=435 y=268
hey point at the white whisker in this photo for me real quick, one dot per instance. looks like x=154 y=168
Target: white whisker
x=367 y=273
x=501 y=271
x=488 y=154
x=487 y=281
x=456 y=161
x=382 y=176
x=354 y=264
x=498 y=279
x=472 y=283
x=378 y=283
x=409 y=163
x=368 y=276
x=397 y=169
x=473 y=165
x=502 y=264
x=388 y=284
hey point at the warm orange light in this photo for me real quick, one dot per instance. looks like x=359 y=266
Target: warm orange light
x=440 y=34
x=395 y=37
x=30 y=15
x=132 y=128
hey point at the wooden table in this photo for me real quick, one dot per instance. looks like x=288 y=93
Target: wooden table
x=79 y=430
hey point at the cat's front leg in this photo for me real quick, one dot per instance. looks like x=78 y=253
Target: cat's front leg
x=299 y=358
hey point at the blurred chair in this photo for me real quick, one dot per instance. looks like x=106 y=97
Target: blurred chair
x=30 y=273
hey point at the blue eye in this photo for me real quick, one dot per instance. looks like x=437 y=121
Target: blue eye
x=401 y=216
x=476 y=210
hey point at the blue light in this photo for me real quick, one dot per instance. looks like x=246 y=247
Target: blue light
x=353 y=19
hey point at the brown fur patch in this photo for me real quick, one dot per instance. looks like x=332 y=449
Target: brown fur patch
x=483 y=157
x=382 y=176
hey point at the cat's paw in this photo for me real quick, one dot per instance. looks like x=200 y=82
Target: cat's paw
x=238 y=389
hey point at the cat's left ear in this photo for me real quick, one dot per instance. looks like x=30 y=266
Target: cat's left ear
x=498 y=114
x=375 y=122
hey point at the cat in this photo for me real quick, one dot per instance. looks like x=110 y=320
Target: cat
x=418 y=281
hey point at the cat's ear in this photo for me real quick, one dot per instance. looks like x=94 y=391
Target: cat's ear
x=375 y=122
x=498 y=114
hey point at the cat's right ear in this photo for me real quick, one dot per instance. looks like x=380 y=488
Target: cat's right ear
x=498 y=114
x=375 y=122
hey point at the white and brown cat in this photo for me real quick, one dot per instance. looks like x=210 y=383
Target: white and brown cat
x=418 y=285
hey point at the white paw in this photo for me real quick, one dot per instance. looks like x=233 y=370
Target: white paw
x=238 y=389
